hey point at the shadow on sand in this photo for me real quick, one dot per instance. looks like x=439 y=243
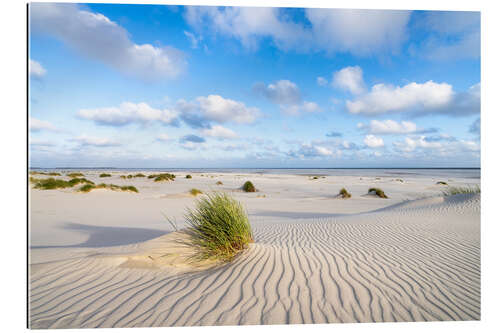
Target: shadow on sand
x=108 y=236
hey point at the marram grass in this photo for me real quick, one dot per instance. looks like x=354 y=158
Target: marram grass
x=249 y=187
x=378 y=192
x=52 y=183
x=195 y=191
x=89 y=187
x=462 y=190
x=344 y=194
x=219 y=227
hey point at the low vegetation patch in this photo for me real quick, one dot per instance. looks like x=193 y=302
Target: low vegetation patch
x=189 y=176
x=45 y=173
x=75 y=174
x=89 y=187
x=162 y=177
x=249 y=187
x=52 y=183
x=344 y=194
x=102 y=175
x=219 y=227
x=441 y=183
x=195 y=191
x=461 y=190
x=399 y=180
x=137 y=175
x=378 y=192
x=219 y=183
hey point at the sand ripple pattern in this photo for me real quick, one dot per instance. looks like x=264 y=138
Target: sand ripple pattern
x=398 y=264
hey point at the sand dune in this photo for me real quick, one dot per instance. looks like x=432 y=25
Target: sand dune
x=418 y=260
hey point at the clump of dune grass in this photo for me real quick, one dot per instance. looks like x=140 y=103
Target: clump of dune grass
x=315 y=177
x=441 y=183
x=75 y=174
x=249 y=187
x=45 y=173
x=162 y=177
x=344 y=194
x=461 y=190
x=219 y=183
x=137 y=175
x=52 y=183
x=219 y=227
x=195 y=191
x=89 y=187
x=189 y=176
x=378 y=192
x=102 y=175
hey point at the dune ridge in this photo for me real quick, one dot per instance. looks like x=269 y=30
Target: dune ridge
x=415 y=261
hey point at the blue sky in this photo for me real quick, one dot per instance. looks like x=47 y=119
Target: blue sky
x=174 y=86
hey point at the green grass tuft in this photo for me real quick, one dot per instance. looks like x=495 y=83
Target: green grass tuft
x=195 y=191
x=219 y=183
x=378 y=192
x=45 y=173
x=89 y=187
x=219 y=227
x=102 y=175
x=189 y=176
x=344 y=194
x=249 y=187
x=462 y=190
x=162 y=177
x=441 y=183
x=52 y=183
x=75 y=174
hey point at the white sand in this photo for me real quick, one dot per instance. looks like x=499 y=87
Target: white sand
x=96 y=258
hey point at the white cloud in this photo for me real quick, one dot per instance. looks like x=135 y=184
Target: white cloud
x=383 y=127
x=321 y=81
x=330 y=30
x=310 y=107
x=247 y=24
x=99 y=38
x=193 y=39
x=163 y=137
x=312 y=150
x=417 y=98
x=349 y=78
x=215 y=108
x=36 y=70
x=37 y=125
x=85 y=140
x=358 y=31
x=373 y=142
x=128 y=113
x=411 y=144
x=220 y=132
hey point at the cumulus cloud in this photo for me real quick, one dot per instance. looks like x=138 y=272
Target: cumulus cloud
x=475 y=127
x=350 y=79
x=423 y=143
x=321 y=81
x=128 y=113
x=201 y=112
x=330 y=30
x=248 y=24
x=389 y=126
x=418 y=99
x=36 y=70
x=37 y=125
x=287 y=96
x=97 y=37
x=372 y=141
x=310 y=150
x=85 y=140
x=191 y=138
x=220 y=132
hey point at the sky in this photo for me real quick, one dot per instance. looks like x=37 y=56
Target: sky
x=160 y=86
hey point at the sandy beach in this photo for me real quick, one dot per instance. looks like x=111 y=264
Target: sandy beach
x=109 y=259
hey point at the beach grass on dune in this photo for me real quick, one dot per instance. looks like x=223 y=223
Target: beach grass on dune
x=89 y=187
x=218 y=183
x=249 y=187
x=137 y=175
x=189 y=176
x=102 y=175
x=378 y=192
x=344 y=194
x=45 y=173
x=52 y=183
x=453 y=190
x=195 y=191
x=162 y=177
x=441 y=183
x=219 y=227
x=75 y=174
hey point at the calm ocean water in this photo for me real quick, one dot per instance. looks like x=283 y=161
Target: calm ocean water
x=472 y=173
